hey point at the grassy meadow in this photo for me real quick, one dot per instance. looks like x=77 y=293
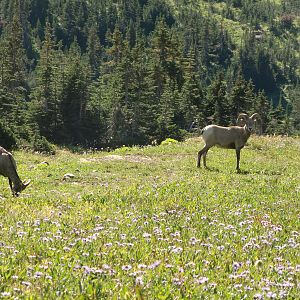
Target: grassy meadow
x=145 y=223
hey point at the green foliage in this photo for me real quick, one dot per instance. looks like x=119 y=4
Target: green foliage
x=111 y=73
x=41 y=145
x=7 y=138
x=169 y=141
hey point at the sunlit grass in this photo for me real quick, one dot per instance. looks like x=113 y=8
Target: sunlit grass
x=145 y=223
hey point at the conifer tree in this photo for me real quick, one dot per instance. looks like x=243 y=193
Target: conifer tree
x=75 y=94
x=46 y=94
x=262 y=106
x=13 y=76
x=240 y=98
x=192 y=103
x=217 y=105
x=94 y=50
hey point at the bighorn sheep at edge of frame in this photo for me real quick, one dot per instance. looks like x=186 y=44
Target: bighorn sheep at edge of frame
x=8 y=169
x=232 y=137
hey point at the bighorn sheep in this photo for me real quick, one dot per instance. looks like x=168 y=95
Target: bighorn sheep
x=8 y=169
x=233 y=137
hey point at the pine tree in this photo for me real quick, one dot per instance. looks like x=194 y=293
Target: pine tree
x=13 y=76
x=167 y=118
x=75 y=95
x=45 y=96
x=94 y=50
x=240 y=98
x=192 y=103
x=217 y=105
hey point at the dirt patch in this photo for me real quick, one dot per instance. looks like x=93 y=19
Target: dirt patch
x=113 y=157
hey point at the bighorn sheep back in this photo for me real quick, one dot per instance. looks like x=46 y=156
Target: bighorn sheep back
x=232 y=137
x=8 y=169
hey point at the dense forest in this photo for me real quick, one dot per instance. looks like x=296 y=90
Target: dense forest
x=106 y=73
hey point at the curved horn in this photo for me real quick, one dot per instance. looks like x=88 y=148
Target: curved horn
x=255 y=116
x=257 y=123
x=242 y=119
x=25 y=184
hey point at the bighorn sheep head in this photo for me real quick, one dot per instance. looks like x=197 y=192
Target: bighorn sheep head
x=18 y=188
x=243 y=119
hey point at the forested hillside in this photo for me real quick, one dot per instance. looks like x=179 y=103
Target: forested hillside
x=105 y=73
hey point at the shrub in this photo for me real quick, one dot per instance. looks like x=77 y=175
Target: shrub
x=169 y=141
x=40 y=144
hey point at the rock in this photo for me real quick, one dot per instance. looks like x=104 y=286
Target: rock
x=68 y=176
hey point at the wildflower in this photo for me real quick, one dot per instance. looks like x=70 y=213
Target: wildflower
x=193 y=240
x=154 y=265
x=271 y=295
x=139 y=280
x=176 y=250
x=201 y=280
x=236 y=266
x=26 y=283
x=177 y=281
x=106 y=267
x=146 y=235
x=38 y=274
x=126 y=267
x=142 y=266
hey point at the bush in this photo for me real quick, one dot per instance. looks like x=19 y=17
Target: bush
x=169 y=141
x=40 y=144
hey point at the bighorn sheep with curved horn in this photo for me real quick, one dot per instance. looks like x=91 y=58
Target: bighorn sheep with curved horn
x=8 y=169
x=232 y=137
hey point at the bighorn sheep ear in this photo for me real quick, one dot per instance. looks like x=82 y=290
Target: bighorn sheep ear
x=242 y=119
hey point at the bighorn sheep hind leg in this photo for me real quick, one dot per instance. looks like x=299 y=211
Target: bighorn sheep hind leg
x=200 y=153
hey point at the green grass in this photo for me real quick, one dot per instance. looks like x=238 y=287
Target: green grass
x=145 y=223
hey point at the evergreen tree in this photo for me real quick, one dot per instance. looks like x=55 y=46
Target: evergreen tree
x=94 y=50
x=13 y=90
x=276 y=116
x=75 y=95
x=262 y=106
x=45 y=96
x=217 y=105
x=192 y=103
x=240 y=98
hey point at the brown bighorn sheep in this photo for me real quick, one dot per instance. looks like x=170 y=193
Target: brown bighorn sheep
x=8 y=169
x=232 y=137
